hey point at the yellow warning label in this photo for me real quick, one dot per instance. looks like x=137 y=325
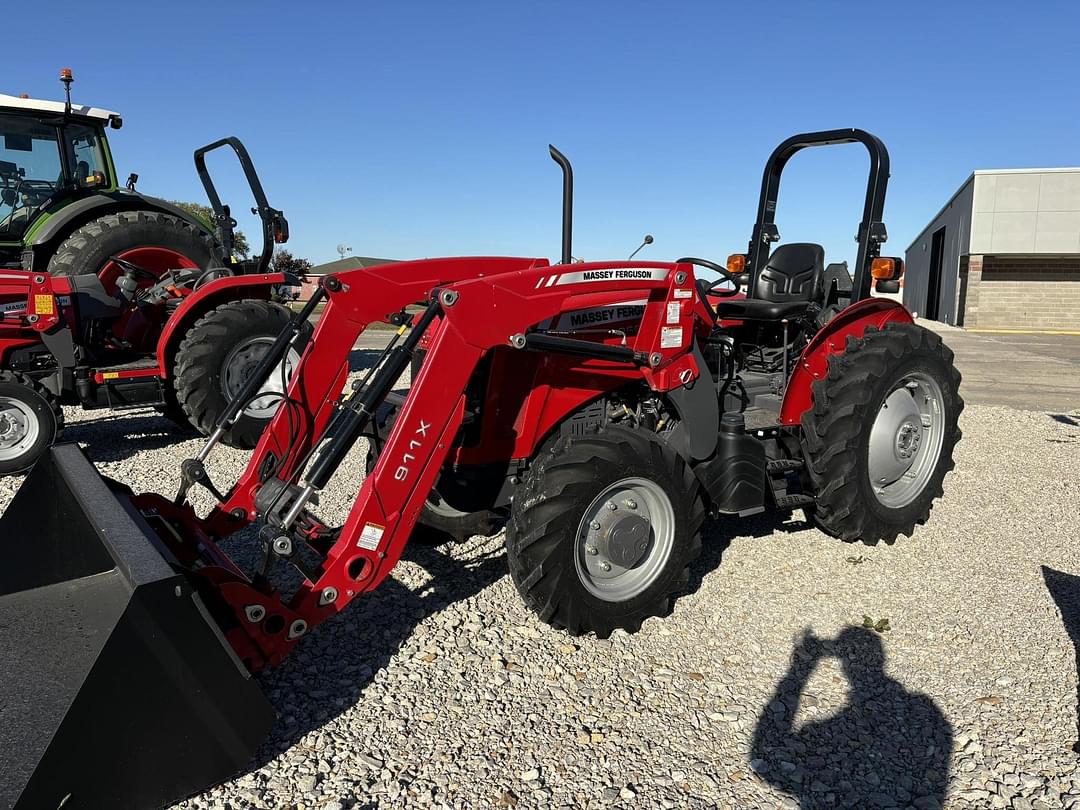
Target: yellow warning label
x=44 y=305
x=111 y=375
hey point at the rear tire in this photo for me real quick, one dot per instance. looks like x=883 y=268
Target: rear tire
x=647 y=541
x=148 y=238
x=30 y=421
x=214 y=358
x=888 y=410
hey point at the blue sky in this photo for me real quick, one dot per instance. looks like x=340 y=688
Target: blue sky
x=413 y=129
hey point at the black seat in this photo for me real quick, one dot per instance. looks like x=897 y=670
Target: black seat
x=785 y=287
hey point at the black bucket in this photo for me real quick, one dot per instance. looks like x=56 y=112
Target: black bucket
x=117 y=688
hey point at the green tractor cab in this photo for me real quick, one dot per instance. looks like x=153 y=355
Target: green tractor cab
x=62 y=209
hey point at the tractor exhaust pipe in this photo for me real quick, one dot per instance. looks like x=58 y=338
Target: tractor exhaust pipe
x=567 y=203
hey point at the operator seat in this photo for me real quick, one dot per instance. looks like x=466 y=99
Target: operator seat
x=786 y=286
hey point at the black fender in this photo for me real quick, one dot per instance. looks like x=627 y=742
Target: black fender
x=85 y=209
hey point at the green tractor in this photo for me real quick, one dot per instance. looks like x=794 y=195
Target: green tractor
x=63 y=211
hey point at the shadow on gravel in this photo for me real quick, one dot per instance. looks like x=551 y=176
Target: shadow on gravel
x=1065 y=589
x=118 y=439
x=717 y=533
x=887 y=747
x=326 y=676
x=363 y=358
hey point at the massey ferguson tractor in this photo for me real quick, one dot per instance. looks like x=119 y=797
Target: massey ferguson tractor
x=601 y=411
x=112 y=299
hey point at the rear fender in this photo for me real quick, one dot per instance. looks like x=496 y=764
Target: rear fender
x=214 y=294
x=83 y=210
x=813 y=364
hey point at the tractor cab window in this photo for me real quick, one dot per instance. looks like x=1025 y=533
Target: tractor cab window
x=89 y=156
x=30 y=171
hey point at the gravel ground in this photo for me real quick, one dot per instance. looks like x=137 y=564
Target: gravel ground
x=763 y=689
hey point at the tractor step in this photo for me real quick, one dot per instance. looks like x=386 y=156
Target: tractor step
x=783 y=465
x=119 y=688
x=142 y=364
x=793 y=501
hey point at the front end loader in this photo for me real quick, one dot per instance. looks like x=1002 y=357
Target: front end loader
x=601 y=410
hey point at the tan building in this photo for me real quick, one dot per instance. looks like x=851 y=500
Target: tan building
x=350 y=263
x=1004 y=253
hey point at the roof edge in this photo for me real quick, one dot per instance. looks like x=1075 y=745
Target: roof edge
x=942 y=210
x=46 y=106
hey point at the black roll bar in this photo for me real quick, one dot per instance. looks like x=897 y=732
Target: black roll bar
x=872 y=231
x=275 y=228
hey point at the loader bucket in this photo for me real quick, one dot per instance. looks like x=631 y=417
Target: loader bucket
x=117 y=688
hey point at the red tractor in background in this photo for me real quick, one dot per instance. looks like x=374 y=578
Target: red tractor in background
x=600 y=410
x=137 y=332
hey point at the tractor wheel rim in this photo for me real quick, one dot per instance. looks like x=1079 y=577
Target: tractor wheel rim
x=241 y=362
x=19 y=428
x=625 y=539
x=906 y=440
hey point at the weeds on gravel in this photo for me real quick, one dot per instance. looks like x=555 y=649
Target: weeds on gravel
x=879 y=626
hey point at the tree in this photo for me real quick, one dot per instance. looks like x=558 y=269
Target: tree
x=285 y=262
x=241 y=248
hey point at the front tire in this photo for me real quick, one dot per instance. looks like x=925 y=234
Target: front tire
x=30 y=421
x=215 y=358
x=880 y=434
x=585 y=567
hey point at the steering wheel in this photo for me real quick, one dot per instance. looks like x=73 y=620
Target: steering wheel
x=723 y=271
x=133 y=270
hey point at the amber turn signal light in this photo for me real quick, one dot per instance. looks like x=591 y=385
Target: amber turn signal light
x=736 y=264
x=887 y=269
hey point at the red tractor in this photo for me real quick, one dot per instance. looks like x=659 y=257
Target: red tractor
x=601 y=410
x=182 y=339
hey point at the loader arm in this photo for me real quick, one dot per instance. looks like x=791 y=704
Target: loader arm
x=465 y=319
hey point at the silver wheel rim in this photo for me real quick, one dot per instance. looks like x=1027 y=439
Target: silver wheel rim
x=624 y=539
x=19 y=428
x=906 y=440
x=239 y=364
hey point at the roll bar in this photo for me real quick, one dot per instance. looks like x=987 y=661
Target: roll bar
x=872 y=233
x=275 y=228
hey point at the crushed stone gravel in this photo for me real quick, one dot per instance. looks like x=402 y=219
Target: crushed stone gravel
x=762 y=689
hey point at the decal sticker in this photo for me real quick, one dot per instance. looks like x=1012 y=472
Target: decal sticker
x=671 y=337
x=14 y=306
x=598 y=316
x=612 y=274
x=684 y=294
x=370 y=536
x=673 y=308
x=43 y=305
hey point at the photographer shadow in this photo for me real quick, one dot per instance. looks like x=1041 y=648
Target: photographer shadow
x=1065 y=591
x=886 y=747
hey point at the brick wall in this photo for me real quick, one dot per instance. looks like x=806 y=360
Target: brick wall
x=1015 y=292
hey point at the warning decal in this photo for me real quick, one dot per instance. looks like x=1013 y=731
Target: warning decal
x=370 y=536
x=671 y=337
